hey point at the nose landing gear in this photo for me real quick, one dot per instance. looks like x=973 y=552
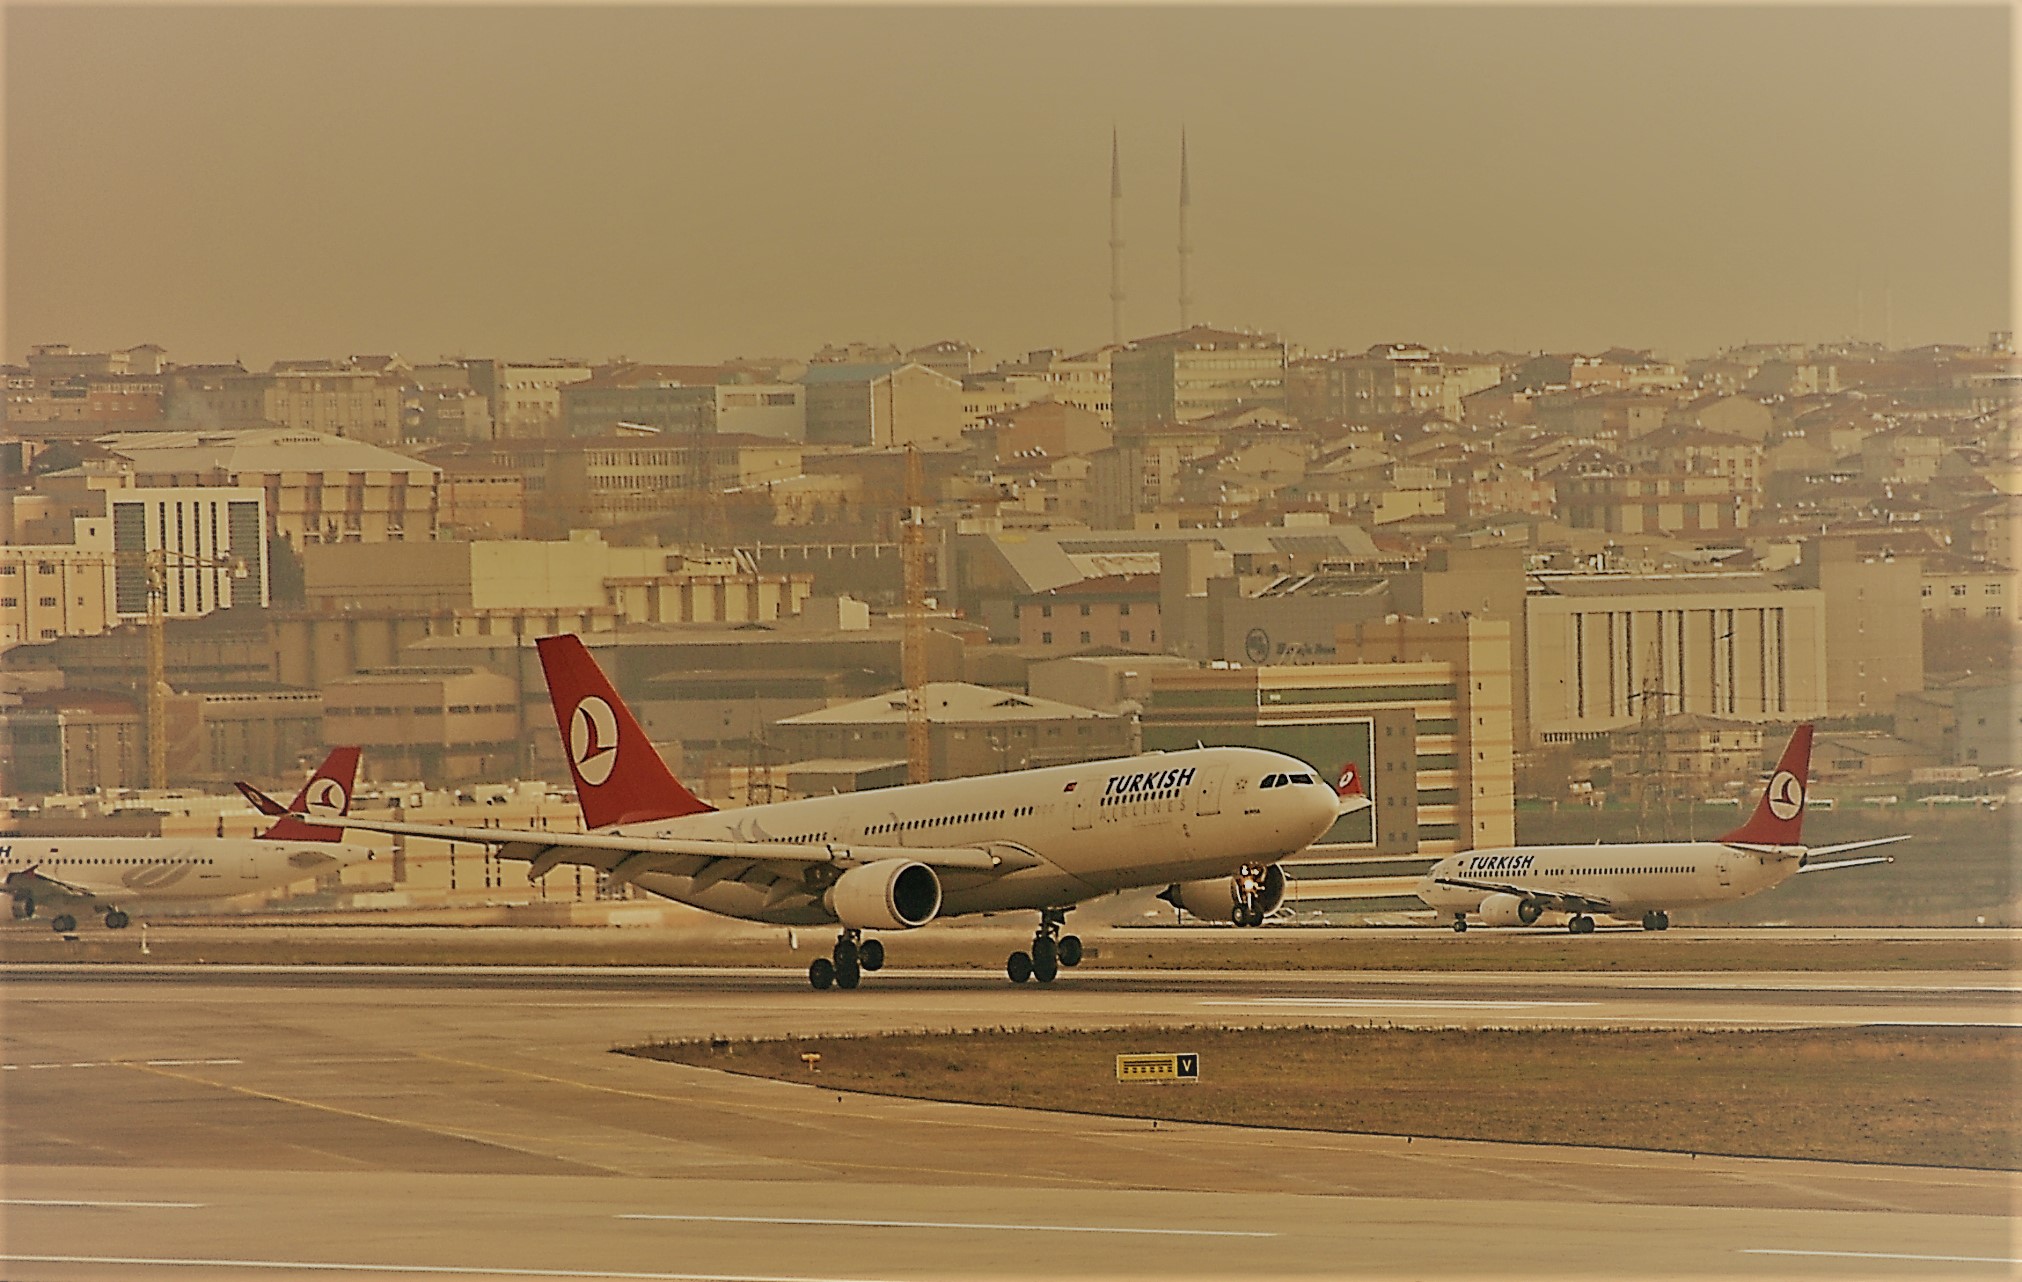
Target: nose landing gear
x=1050 y=951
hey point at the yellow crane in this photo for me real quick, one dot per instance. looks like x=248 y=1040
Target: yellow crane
x=913 y=656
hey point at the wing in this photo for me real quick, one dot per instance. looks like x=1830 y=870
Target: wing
x=654 y=854
x=1564 y=901
x=37 y=884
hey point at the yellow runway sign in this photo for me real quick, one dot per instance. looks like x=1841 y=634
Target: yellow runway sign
x=1176 y=1067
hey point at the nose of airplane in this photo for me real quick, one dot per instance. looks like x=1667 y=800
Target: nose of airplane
x=1319 y=807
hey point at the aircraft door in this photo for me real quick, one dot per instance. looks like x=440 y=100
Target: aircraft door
x=1083 y=805
x=1208 y=791
x=1725 y=869
x=249 y=867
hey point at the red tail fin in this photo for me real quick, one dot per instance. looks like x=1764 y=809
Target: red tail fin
x=1779 y=817
x=619 y=778
x=329 y=789
x=1350 y=784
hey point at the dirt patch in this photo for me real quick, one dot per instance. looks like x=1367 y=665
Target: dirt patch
x=1942 y=1097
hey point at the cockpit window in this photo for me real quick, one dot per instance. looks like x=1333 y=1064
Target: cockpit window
x=1271 y=781
x=1302 y=779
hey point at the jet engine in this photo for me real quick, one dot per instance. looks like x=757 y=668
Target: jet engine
x=1511 y=910
x=1223 y=898
x=891 y=894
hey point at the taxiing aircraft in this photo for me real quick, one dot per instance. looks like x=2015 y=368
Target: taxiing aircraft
x=115 y=876
x=1645 y=881
x=1208 y=823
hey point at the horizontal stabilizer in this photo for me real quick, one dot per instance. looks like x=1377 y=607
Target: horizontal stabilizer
x=1849 y=863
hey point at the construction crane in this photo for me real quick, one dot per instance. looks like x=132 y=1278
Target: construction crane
x=155 y=563
x=913 y=658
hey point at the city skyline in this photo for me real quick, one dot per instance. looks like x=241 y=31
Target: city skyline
x=1520 y=179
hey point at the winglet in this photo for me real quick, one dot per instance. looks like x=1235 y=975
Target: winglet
x=1779 y=816
x=619 y=777
x=328 y=790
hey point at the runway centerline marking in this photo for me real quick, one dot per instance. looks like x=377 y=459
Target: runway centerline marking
x=1886 y=1255
x=1349 y=1002
x=939 y=1224
x=454 y=1270
x=57 y=1201
x=125 y=1063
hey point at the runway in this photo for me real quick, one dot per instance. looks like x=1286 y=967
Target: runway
x=471 y=1122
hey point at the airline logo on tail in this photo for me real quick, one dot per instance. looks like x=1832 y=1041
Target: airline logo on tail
x=593 y=740
x=1350 y=783
x=1786 y=795
x=327 y=795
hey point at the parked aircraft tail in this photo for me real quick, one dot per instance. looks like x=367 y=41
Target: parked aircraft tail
x=1779 y=816
x=1348 y=793
x=619 y=777
x=328 y=790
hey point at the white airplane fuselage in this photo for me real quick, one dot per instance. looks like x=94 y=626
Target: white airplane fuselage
x=1634 y=878
x=1086 y=830
x=123 y=871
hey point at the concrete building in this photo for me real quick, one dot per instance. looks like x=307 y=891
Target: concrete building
x=629 y=476
x=319 y=489
x=882 y=405
x=1194 y=373
x=319 y=396
x=1681 y=503
x=1604 y=651
x=1389 y=380
x=1957 y=587
x=440 y=725
x=513 y=579
x=1874 y=639
x=973 y=730
x=1115 y=611
x=1404 y=728
x=50 y=590
x=525 y=399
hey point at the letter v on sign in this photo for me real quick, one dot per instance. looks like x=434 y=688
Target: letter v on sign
x=1188 y=1066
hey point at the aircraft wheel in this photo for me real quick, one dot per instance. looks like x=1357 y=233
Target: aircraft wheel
x=1046 y=969
x=1018 y=967
x=116 y=920
x=24 y=908
x=849 y=975
x=1580 y=924
x=1663 y=921
x=846 y=954
x=871 y=954
x=63 y=923
x=1460 y=925
x=1045 y=957
x=1070 y=950
x=821 y=973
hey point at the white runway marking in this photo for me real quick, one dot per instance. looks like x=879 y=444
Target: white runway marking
x=54 y=1201
x=1890 y=1255
x=938 y=1224
x=122 y=1064
x=425 y=1270
x=1351 y=1003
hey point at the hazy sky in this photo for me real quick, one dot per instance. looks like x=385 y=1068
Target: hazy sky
x=696 y=183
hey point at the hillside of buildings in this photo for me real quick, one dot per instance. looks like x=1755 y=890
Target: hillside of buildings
x=1529 y=596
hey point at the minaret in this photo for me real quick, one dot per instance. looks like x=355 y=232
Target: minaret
x=1186 y=249
x=1115 y=241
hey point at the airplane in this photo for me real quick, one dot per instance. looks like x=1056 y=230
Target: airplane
x=1208 y=823
x=110 y=875
x=1514 y=886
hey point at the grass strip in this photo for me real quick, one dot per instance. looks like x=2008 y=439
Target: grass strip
x=1938 y=1097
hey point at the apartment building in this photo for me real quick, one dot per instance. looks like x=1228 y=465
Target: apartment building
x=882 y=405
x=1195 y=373
x=525 y=398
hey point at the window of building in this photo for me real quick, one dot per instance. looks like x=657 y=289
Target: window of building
x=1958 y=589
x=1123 y=607
x=1124 y=635
x=1046 y=638
x=1085 y=638
x=1045 y=611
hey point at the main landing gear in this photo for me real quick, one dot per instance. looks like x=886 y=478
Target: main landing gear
x=845 y=965
x=63 y=923
x=1050 y=951
x=1656 y=920
x=24 y=907
x=116 y=920
x=1460 y=923
x=1580 y=924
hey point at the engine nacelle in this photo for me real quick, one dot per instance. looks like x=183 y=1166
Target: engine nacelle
x=891 y=894
x=1510 y=910
x=1216 y=900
